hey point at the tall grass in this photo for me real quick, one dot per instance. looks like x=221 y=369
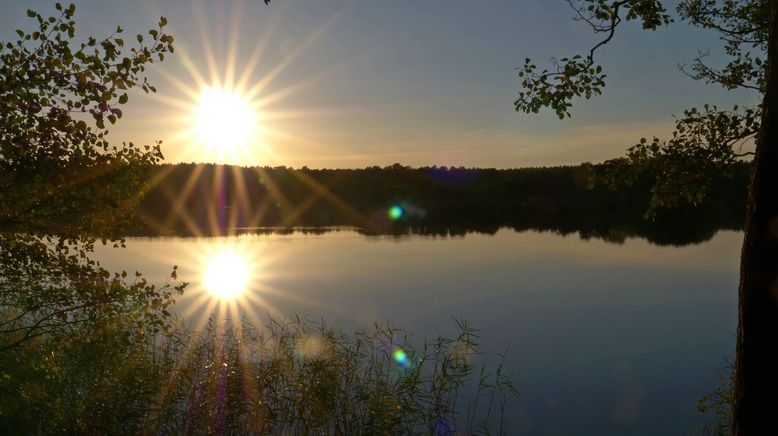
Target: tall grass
x=282 y=377
x=717 y=405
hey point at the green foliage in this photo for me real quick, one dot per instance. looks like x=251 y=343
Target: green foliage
x=92 y=379
x=63 y=184
x=579 y=75
x=55 y=100
x=50 y=285
x=285 y=377
x=705 y=145
x=573 y=77
x=742 y=26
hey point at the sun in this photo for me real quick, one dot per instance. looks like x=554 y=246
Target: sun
x=224 y=122
x=226 y=275
x=230 y=105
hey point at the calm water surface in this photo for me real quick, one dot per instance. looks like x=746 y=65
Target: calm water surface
x=606 y=338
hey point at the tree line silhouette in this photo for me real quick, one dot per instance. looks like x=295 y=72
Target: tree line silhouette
x=210 y=199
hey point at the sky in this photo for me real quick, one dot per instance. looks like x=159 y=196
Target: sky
x=356 y=83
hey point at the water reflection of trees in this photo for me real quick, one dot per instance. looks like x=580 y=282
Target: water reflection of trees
x=188 y=199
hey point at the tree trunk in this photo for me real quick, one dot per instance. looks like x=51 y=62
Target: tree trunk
x=755 y=410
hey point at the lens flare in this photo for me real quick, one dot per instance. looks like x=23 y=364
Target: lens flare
x=226 y=275
x=401 y=357
x=396 y=212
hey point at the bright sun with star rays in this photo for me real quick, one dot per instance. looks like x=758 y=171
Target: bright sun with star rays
x=227 y=105
x=226 y=275
x=224 y=120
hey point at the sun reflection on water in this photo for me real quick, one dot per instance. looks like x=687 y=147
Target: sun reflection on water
x=235 y=278
x=232 y=278
x=226 y=275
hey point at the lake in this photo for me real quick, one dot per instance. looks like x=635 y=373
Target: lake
x=603 y=338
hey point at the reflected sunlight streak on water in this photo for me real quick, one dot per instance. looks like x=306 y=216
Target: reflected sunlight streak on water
x=233 y=278
x=226 y=275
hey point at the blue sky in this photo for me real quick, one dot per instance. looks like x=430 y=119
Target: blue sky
x=420 y=82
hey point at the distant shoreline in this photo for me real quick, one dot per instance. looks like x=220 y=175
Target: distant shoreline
x=212 y=200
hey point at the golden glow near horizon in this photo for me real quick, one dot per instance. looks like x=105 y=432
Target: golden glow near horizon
x=226 y=275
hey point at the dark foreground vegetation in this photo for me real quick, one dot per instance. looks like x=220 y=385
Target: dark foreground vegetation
x=198 y=199
x=279 y=378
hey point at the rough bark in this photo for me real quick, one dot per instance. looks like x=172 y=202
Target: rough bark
x=756 y=363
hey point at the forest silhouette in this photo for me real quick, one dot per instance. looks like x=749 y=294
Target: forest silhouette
x=211 y=200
